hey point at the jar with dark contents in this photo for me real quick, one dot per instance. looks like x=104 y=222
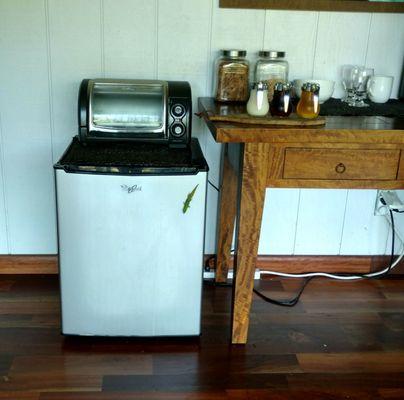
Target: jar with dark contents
x=281 y=104
x=309 y=106
x=232 y=72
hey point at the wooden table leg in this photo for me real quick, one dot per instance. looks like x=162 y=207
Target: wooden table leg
x=227 y=216
x=253 y=184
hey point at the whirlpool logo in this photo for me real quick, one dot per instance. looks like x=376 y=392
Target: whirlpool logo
x=131 y=189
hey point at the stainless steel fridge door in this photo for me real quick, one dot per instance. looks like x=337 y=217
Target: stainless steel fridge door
x=130 y=257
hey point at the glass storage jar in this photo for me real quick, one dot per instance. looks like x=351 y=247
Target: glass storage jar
x=232 y=70
x=271 y=67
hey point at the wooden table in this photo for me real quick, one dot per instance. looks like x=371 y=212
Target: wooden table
x=348 y=152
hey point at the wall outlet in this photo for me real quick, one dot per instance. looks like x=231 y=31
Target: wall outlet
x=387 y=200
x=380 y=208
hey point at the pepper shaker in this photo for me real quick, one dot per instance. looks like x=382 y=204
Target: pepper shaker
x=281 y=105
x=309 y=106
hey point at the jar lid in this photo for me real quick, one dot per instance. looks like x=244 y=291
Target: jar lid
x=234 y=53
x=311 y=87
x=282 y=86
x=271 y=54
x=260 y=85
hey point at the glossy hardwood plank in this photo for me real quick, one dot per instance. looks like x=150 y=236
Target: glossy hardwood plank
x=138 y=395
x=86 y=364
x=193 y=382
x=343 y=340
x=347 y=362
x=20 y=395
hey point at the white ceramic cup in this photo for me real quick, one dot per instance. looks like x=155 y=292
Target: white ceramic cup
x=379 y=88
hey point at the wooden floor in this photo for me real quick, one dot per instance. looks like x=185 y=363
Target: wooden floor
x=342 y=341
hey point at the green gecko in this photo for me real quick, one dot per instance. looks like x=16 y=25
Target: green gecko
x=188 y=200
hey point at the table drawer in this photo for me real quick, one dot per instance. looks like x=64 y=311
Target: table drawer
x=304 y=163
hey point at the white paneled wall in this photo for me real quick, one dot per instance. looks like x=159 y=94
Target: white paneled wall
x=75 y=51
x=48 y=46
x=298 y=39
x=26 y=128
x=3 y=219
x=349 y=46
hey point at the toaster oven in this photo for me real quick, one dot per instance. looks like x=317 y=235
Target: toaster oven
x=135 y=110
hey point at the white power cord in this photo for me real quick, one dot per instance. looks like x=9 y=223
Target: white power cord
x=342 y=277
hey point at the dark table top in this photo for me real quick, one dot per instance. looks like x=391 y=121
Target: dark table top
x=336 y=129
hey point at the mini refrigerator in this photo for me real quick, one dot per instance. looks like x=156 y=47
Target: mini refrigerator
x=131 y=238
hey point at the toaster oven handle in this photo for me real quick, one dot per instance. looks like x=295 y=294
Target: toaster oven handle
x=82 y=106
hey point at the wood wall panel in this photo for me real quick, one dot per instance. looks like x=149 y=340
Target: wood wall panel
x=26 y=130
x=341 y=39
x=298 y=39
x=386 y=46
x=399 y=225
x=235 y=29
x=3 y=214
x=363 y=232
x=279 y=221
x=130 y=38
x=320 y=221
x=75 y=53
x=48 y=46
x=183 y=47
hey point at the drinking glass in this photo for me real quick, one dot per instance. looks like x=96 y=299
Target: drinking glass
x=360 y=77
x=347 y=83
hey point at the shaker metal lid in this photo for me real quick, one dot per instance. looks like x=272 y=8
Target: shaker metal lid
x=271 y=54
x=282 y=86
x=311 y=87
x=234 y=53
x=260 y=85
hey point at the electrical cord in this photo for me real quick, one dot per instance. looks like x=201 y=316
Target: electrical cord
x=285 y=303
x=346 y=277
x=214 y=186
x=309 y=276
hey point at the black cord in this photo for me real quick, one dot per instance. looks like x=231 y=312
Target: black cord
x=214 y=186
x=393 y=239
x=285 y=303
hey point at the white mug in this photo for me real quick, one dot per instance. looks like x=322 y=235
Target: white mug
x=379 y=88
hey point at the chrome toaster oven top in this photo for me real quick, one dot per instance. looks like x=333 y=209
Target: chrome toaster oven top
x=136 y=110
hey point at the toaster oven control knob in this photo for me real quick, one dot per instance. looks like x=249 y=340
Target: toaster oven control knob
x=178 y=110
x=177 y=129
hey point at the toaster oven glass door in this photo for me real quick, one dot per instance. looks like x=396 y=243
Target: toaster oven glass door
x=128 y=109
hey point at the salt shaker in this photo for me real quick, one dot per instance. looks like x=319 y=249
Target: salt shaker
x=258 y=104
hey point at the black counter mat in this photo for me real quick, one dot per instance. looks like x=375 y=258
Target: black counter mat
x=335 y=107
x=133 y=155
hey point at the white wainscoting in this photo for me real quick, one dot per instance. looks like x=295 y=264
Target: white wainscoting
x=48 y=46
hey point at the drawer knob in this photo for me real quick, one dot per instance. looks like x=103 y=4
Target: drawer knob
x=340 y=168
